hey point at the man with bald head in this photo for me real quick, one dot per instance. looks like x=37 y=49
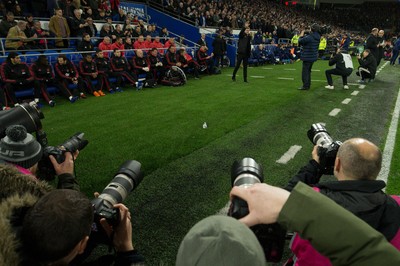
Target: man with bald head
x=357 y=165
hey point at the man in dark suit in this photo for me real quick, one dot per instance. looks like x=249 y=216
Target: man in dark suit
x=243 y=51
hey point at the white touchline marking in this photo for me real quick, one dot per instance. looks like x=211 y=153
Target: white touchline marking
x=315 y=70
x=390 y=142
x=334 y=112
x=289 y=154
x=353 y=84
x=318 y=80
x=354 y=93
x=286 y=78
x=289 y=69
x=346 y=101
x=258 y=77
x=361 y=86
x=269 y=68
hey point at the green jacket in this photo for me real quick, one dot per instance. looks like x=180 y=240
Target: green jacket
x=334 y=231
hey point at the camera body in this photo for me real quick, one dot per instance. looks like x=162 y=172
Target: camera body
x=327 y=147
x=246 y=173
x=46 y=169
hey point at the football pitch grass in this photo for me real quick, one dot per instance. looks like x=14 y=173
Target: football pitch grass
x=187 y=167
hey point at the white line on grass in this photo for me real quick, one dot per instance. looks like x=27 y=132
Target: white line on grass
x=318 y=80
x=361 y=86
x=258 y=77
x=286 y=78
x=289 y=69
x=224 y=210
x=353 y=84
x=390 y=142
x=289 y=154
x=334 y=112
x=315 y=70
x=346 y=101
x=269 y=68
x=354 y=93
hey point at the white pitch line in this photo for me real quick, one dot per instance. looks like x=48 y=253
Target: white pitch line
x=315 y=70
x=289 y=69
x=258 y=77
x=269 y=68
x=390 y=143
x=289 y=154
x=346 y=101
x=318 y=80
x=361 y=86
x=353 y=84
x=354 y=93
x=334 y=112
x=286 y=78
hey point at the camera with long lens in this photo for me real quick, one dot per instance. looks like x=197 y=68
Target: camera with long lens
x=46 y=169
x=327 y=147
x=27 y=115
x=246 y=173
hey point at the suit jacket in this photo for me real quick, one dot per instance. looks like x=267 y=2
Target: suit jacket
x=15 y=33
x=56 y=29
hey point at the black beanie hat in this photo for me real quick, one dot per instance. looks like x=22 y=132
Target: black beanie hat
x=19 y=147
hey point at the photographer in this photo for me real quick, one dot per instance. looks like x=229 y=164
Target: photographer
x=356 y=167
x=344 y=67
x=309 y=54
x=73 y=212
x=20 y=149
x=367 y=68
x=355 y=243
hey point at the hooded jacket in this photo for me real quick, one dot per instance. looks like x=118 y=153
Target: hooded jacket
x=310 y=44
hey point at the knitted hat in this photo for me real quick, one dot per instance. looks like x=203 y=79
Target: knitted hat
x=220 y=240
x=19 y=147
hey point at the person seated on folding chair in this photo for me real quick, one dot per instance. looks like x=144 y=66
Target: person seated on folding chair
x=170 y=58
x=44 y=76
x=66 y=73
x=156 y=65
x=141 y=66
x=205 y=60
x=88 y=69
x=105 y=72
x=16 y=76
x=120 y=66
x=187 y=63
x=86 y=45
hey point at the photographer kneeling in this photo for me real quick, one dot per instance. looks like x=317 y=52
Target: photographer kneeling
x=356 y=167
x=344 y=67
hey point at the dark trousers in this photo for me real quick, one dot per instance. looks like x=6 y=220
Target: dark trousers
x=11 y=88
x=3 y=98
x=41 y=86
x=394 y=57
x=306 y=74
x=62 y=85
x=239 y=59
x=338 y=72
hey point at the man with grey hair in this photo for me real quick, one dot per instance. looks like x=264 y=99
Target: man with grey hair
x=16 y=37
x=356 y=167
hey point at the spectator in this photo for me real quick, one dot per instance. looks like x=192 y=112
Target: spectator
x=16 y=38
x=119 y=45
x=157 y=44
x=42 y=35
x=105 y=46
x=148 y=42
x=58 y=26
x=86 y=44
x=356 y=168
x=43 y=77
x=345 y=42
x=396 y=49
x=117 y=32
x=88 y=70
x=344 y=67
x=367 y=68
x=66 y=73
x=105 y=31
x=139 y=43
x=6 y=24
x=170 y=42
x=10 y=4
x=16 y=76
x=77 y=25
x=202 y=40
x=91 y=28
x=128 y=43
x=128 y=27
x=164 y=35
x=120 y=16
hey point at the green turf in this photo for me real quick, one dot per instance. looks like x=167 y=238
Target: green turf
x=187 y=168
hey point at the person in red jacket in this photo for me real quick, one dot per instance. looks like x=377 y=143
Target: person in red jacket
x=118 y=45
x=139 y=43
x=16 y=76
x=105 y=46
x=158 y=44
x=66 y=73
x=89 y=73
